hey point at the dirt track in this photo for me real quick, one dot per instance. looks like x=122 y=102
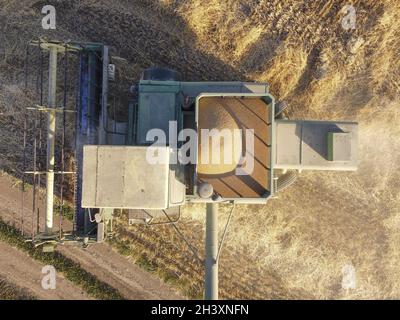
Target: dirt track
x=21 y=270
x=100 y=260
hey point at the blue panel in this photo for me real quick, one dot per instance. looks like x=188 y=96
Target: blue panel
x=88 y=108
x=84 y=93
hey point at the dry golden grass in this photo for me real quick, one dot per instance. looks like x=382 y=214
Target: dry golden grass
x=326 y=220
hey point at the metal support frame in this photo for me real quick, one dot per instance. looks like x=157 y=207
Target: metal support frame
x=51 y=129
x=96 y=89
x=211 y=261
x=51 y=109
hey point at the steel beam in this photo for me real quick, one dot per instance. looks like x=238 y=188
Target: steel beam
x=51 y=129
x=211 y=262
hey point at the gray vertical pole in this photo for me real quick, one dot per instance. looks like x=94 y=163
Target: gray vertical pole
x=211 y=281
x=51 y=129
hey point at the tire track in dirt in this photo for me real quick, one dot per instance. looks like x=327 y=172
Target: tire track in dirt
x=99 y=259
x=25 y=272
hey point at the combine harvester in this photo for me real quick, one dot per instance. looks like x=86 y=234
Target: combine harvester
x=178 y=142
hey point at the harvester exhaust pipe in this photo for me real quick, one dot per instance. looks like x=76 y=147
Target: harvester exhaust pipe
x=51 y=128
x=211 y=262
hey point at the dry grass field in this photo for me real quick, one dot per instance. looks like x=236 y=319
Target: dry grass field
x=297 y=245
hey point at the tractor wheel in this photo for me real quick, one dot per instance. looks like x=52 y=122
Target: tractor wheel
x=161 y=74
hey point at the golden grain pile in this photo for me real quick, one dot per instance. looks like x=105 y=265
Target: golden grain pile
x=298 y=244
